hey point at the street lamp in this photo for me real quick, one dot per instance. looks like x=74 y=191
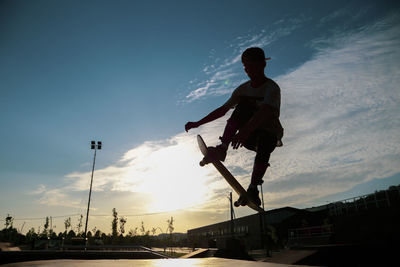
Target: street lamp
x=95 y=147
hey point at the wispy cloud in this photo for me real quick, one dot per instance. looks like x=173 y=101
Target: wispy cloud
x=218 y=77
x=340 y=113
x=346 y=12
x=55 y=197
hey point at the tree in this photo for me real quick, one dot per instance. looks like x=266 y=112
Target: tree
x=67 y=224
x=53 y=235
x=153 y=230
x=46 y=225
x=31 y=235
x=71 y=234
x=133 y=232
x=114 y=223
x=143 y=230
x=94 y=230
x=45 y=232
x=122 y=222
x=80 y=224
x=170 y=229
x=60 y=235
x=97 y=234
x=9 y=221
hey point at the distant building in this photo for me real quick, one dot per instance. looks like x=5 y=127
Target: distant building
x=343 y=221
x=249 y=229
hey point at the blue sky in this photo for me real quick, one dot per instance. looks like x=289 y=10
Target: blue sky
x=132 y=73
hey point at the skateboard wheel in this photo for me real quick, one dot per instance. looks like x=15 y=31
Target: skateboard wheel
x=237 y=204
x=202 y=163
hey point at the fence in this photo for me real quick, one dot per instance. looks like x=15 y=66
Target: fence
x=381 y=199
x=310 y=235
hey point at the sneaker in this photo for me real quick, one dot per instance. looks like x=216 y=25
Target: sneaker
x=252 y=193
x=219 y=152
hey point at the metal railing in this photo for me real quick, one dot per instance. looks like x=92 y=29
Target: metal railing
x=379 y=199
x=310 y=232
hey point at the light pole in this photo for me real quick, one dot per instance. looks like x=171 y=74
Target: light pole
x=95 y=147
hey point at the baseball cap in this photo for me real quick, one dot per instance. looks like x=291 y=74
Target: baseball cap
x=254 y=54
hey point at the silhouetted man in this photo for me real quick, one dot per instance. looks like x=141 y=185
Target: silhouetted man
x=254 y=122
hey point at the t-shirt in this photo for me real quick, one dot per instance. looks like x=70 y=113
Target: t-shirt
x=269 y=93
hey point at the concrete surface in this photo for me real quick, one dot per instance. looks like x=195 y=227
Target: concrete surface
x=195 y=254
x=5 y=246
x=290 y=256
x=206 y=262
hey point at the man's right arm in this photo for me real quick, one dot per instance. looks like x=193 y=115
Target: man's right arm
x=216 y=114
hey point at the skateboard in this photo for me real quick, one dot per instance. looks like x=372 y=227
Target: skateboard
x=227 y=175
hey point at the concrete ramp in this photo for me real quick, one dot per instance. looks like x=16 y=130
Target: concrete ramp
x=8 y=247
x=289 y=256
x=199 y=253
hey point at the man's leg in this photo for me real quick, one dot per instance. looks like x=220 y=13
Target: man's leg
x=259 y=169
x=230 y=130
x=240 y=116
x=220 y=150
x=266 y=143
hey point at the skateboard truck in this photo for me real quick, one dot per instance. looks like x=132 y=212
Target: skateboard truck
x=204 y=161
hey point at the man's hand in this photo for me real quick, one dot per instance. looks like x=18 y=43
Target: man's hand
x=217 y=113
x=240 y=138
x=191 y=125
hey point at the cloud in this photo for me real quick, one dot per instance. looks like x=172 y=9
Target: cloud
x=218 y=77
x=40 y=189
x=340 y=113
x=166 y=173
x=344 y=15
x=55 y=197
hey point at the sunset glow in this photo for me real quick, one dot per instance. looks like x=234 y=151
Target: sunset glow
x=132 y=73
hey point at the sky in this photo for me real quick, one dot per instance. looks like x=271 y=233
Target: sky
x=132 y=73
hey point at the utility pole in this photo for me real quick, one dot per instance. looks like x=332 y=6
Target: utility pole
x=262 y=196
x=232 y=214
x=95 y=147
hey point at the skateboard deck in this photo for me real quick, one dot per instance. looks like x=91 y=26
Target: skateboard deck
x=227 y=175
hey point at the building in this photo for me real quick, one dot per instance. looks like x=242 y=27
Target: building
x=250 y=230
x=348 y=221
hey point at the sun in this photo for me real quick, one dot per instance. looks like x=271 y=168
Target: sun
x=171 y=178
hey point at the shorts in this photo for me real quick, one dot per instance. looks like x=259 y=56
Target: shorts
x=260 y=141
x=263 y=143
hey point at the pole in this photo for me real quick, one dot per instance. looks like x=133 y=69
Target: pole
x=230 y=200
x=232 y=225
x=263 y=223
x=262 y=196
x=90 y=194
